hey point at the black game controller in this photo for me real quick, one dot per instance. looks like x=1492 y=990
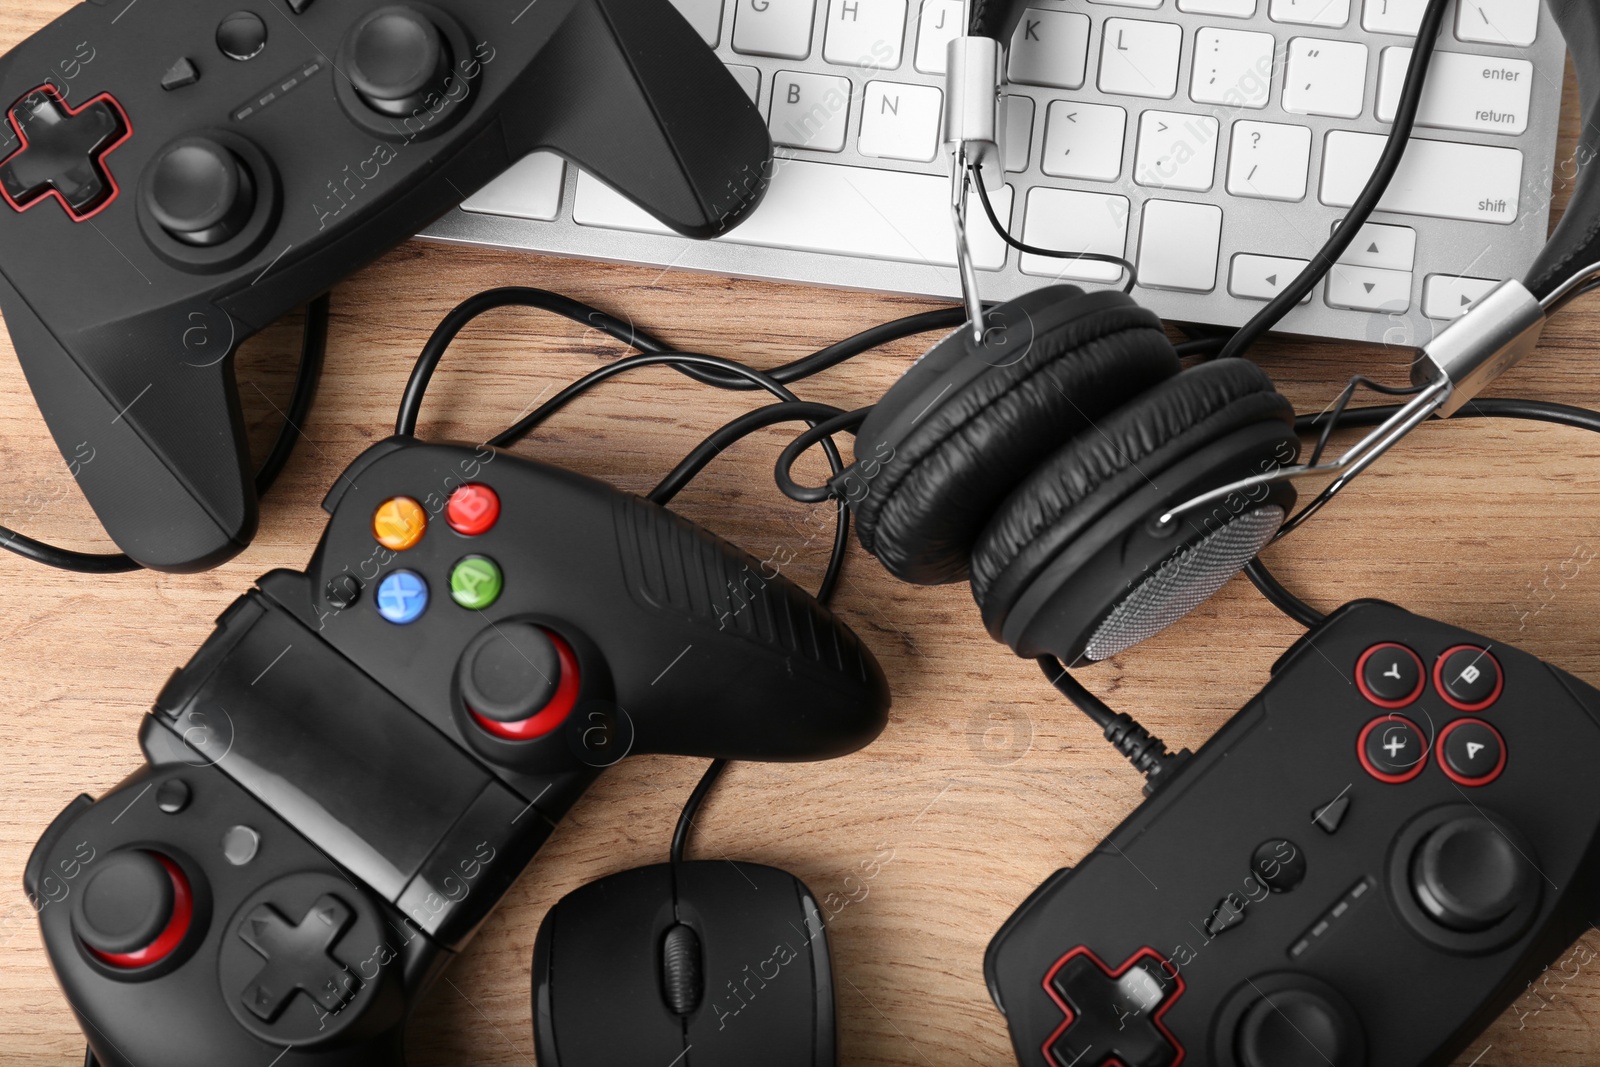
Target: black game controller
x=349 y=773
x=1362 y=869
x=175 y=176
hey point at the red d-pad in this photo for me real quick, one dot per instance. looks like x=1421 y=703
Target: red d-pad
x=63 y=153
x=1113 y=1017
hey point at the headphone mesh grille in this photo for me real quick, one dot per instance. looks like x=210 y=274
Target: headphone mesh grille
x=1183 y=582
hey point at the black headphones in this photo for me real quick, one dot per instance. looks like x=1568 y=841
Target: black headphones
x=1038 y=462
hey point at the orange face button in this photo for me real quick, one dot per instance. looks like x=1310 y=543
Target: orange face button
x=399 y=523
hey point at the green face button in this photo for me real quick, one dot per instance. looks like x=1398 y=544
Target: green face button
x=476 y=582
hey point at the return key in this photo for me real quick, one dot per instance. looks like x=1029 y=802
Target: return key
x=1486 y=94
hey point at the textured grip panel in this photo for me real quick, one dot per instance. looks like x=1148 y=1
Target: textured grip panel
x=671 y=565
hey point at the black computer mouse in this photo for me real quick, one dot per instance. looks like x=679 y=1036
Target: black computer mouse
x=706 y=963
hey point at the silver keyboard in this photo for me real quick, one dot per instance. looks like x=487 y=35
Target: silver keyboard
x=1216 y=143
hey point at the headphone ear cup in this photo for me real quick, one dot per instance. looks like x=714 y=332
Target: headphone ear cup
x=1077 y=538
x=947 y=444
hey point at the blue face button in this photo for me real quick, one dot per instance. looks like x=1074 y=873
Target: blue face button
x=402 y=597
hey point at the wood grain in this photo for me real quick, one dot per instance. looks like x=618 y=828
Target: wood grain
x=984 y=782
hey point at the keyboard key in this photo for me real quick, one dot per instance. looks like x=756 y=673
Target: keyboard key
x=826 y=207
x=809 y=110
x=865 y=33
x=749 y=79
x=1232 y=67
x=780 y=28
x=1129 y=3
x=1140 y=58
x=1446 y=296
x=1440 y=179
x=1176 y=151
x=1463 y=92
x=1311 y=12
x=1178 y=246
x=900 y=121
x=1269 y=160
x=1083 y=141
x=1233 y=9
x=704 y=15
x=1326 y=78
x=1049 y=48
x=1385 y=247
x=1074 y=221
x=1019 y=131
x=1369 y=289
x=938 y=24
x=1393 y=16
x=1263 y=277
x=531 y=189
x=1513 y=22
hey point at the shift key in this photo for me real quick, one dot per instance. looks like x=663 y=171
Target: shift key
x=1442 y=179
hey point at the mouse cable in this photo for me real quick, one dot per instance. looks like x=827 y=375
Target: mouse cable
x=313 y=344
x=691 y=808
x=1147 y=752
x=1356 y=418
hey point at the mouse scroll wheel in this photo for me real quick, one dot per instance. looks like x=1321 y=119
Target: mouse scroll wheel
x=680 y=969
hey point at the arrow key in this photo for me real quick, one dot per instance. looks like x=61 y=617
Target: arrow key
x=1384 y=247
x=1263 y=277
x=1446 y=296
x=1369 y=289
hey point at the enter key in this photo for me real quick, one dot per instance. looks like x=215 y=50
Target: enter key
x=1487 y=94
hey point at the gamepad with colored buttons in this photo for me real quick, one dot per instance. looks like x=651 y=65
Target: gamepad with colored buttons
x=175 y=176
x=1363 y=868
x=358 y=762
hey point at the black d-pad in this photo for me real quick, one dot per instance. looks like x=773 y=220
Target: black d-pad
x=63 y=151
x=298 y=958
x=1113 y=1020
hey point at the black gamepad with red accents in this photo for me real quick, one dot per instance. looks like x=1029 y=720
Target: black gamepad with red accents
x=1363 y=868
x=174 y=176
x=345 y=778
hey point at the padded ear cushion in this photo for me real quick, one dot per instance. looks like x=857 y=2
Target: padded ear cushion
x=953 y=468
x=1176 y=417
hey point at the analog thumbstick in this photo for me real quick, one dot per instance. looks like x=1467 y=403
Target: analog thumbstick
x=134 y=909
x=396 y=59
x=510 y=672
x=1469 y=875
x=1297 y=1028
x=200 y=192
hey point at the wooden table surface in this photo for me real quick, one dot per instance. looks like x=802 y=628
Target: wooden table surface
x=984 y=782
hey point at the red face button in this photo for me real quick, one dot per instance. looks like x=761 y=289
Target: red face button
x=1468 y=677
x=472 y=510
x=134 y=909
x=1471 y=752
x=1392 y=749
x=63 y=152
x=1390 y=675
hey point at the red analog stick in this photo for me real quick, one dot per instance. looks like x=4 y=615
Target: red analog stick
x=134 y=909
